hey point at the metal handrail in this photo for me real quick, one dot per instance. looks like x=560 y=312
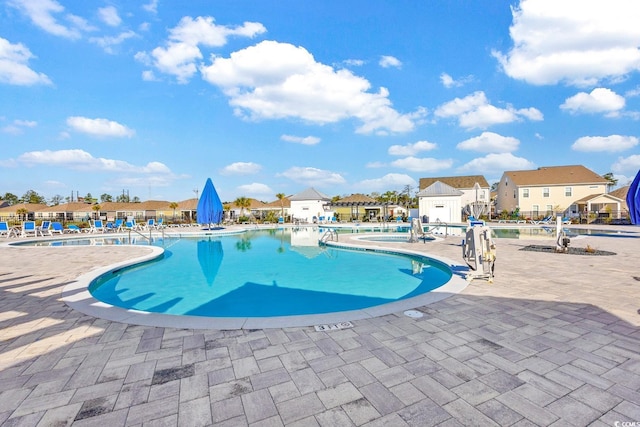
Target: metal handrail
x=440 y=224
x=329 y=234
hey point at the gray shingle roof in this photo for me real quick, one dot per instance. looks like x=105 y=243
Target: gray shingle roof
x=439 y=188
x=309 y=194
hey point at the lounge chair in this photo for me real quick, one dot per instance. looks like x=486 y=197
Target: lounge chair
x=151 y=223
x=97 y=226
x=57 y=228
x=29 y=229
x=72 y=228
x=546 y=220
x=7 y=231
x=160 y=223
x=45 y=227
x=117 y=226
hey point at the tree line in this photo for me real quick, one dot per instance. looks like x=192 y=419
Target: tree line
x=33 y=197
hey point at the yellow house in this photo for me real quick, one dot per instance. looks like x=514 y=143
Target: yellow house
x=553 y=190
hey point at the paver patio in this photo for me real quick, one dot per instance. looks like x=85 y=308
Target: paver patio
x=555 y=340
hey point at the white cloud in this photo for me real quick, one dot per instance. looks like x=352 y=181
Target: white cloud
x=109 y=42
x=611 y=143
x=99 y=127
x=256 y=190
x=149 y=76
x=633 y=92
x=474 y=111
x=489 y=142
x=179 y=55
x=109 y=15
x=17 y=126
x=313 y=176
x=493 y=162
x=13 y=65
x=629 y=164
x=411 y=149
x=151 y=7
x=600 y=100
x=306 y=140
x=449 y=82
x=390 y=180
x=387 y=61
x=274 y=80
x=81 y=160
x=41 y=13
x=241 y=168
x=426 y=164
x=577 y=42
x=354 y=62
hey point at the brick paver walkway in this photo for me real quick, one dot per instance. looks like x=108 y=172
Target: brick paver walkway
x=554 y=341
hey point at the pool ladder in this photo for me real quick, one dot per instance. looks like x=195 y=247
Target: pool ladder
x=330 y=234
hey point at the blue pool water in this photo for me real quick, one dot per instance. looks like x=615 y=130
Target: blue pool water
x=267 y=273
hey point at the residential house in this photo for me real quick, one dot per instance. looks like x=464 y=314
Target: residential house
x=440 y=202
x=572 y=191
x=21 y=212
x=310 y=204
x=255 y=210
x=281 y=208
x=476 y=192
x=72 y=211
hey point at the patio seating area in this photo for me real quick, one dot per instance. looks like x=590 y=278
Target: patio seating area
x=561 y=347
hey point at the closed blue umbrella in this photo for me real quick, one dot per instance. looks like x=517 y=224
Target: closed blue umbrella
x=209 y=206
x=633 y=200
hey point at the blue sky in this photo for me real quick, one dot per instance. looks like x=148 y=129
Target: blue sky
x=264 y=97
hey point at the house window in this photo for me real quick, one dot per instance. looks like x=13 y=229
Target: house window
x=525 y=192
x=549 y=209
x=535 y=210
x=567 y=191
x=545 y=192
x=515 y=194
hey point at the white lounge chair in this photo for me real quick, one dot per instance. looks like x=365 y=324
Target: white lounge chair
x=97 y=226
x=56 y=228
x=7 y=231
x=72 y=228
x=29 y=229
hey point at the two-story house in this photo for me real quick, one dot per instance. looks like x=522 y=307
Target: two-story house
x=555 y=190
x=476 y=192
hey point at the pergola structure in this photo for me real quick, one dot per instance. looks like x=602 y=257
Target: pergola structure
x=382 y=208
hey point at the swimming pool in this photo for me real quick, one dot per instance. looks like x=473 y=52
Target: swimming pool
x=268 y=273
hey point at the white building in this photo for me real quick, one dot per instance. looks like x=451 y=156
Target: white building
x=440 y=202
x=309 y=205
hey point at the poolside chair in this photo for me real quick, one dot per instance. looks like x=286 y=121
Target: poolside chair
x=29 y=229
x=151 y=223
x=97 y=226
x=57 y=228
x=72 y=228
x=117 y=226
x=45 y=227
x=545 y=221
x=160 y=223
x=7 y=231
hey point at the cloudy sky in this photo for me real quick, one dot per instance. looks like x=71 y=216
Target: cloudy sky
x=155 y=96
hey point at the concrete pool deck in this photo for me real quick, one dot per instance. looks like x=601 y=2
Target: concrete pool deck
x=555 y=340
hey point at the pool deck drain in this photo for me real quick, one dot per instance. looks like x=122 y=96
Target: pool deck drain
x=555 y=340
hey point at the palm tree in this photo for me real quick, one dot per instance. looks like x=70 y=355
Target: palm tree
x=281 y=197
x=174 y=206
x=96 y=209
x=22 y=213
x=242 y=203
